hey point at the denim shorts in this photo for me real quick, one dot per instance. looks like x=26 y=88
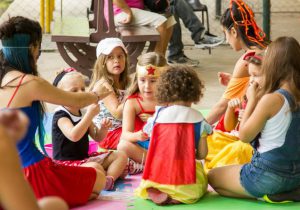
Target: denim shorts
x=261 y=177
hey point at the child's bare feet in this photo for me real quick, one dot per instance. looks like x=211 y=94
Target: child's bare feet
x=157 y=196
x=160 y=198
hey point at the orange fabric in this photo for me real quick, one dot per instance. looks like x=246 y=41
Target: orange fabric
x=236 y=88
x=171 y=155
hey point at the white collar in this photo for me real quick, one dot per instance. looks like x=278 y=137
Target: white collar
x=178 y=114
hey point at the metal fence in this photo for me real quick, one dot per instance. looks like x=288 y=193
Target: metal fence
x=31 y=9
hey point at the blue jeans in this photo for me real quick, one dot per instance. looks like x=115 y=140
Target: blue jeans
x=262 y=177
x=181 y=9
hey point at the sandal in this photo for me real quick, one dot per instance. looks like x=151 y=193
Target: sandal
x=134 y=167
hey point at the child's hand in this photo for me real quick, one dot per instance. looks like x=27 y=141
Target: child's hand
x=93 y=110
x=144 y=117
x=15 y=122
x=224 y=78
x=141 y=136
x=252 y=91
x=241 y=112
x=106 y=123
x=235 y=103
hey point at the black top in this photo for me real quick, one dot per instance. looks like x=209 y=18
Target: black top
x=63 y=148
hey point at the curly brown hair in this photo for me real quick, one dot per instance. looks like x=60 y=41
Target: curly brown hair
x=179 y=83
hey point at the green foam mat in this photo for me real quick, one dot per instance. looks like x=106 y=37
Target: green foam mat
x=213 y=201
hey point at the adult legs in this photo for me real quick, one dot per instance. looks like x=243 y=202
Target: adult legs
x=185 y=12
x=176 y=45
x=144 y=18
x=181 y=9
x=165 y=35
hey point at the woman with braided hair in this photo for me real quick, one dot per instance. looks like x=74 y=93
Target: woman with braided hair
x=242 y=33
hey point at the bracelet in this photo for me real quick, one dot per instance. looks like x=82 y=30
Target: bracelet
x=98 y=97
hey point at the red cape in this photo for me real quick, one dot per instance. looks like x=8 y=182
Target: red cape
x=171 y=155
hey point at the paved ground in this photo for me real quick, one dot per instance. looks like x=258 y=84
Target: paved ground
x=222 y=58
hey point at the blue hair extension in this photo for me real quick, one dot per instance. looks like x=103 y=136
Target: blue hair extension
x=16 y=52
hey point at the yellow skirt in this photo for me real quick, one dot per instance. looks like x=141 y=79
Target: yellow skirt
x=184 y=193
x=225 y=149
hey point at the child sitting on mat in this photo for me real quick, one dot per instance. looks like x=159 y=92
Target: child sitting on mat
x=172 y=174
x=71 y=131
x=111 y=70
x=139 y=106
x=224 y=145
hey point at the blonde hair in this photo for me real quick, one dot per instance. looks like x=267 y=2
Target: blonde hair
x=100 y=72
x=152 y=58
x=71 y=74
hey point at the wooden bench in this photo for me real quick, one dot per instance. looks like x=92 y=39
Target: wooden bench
x=77 y=37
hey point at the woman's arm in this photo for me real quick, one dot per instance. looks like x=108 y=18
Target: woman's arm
x=13 y=186
x=217 y=111
x=129 y=114
x=240 y=70
x=256 y=116
x=39 y=89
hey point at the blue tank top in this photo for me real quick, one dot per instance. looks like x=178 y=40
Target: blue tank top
x=28 y=151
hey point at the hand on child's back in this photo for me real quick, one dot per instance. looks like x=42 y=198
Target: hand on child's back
x=93 y=110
